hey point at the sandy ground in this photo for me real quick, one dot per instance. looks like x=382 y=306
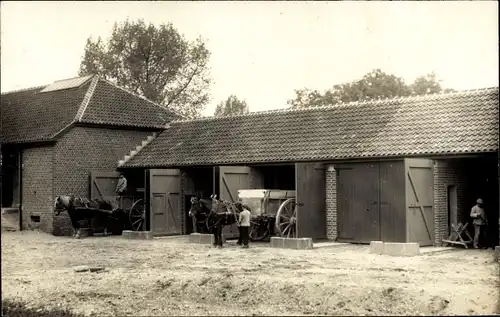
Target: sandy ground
x=169 y=276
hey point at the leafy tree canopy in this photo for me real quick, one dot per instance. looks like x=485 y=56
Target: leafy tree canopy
x=232 y=106
x=155 y=62
x=374 y=85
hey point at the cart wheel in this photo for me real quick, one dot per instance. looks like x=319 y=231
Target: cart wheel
x=259 y=231
x=137 y=215
x=286 y=219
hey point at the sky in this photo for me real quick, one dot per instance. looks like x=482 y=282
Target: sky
x=263 y=51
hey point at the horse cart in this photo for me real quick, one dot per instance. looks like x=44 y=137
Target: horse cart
x=109 y=213
x=273 y=212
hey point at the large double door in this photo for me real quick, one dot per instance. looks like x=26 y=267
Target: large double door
x=371 y=202
x=164 y=200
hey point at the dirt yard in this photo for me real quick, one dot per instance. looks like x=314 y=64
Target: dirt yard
x=169 y=276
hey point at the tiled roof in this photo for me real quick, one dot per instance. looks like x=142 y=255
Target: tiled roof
x=28 y=115
x=31 y=115
x=462 y=122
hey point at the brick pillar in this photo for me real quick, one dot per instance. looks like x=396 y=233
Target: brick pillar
x=331 y=203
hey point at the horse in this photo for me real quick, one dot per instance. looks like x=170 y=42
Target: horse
x=220 y=214
x=199 y=212
x=93 y=207
x=223 y=214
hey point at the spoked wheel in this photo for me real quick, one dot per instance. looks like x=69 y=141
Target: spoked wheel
x=137 y=215
x=259 y=230
x=286 y=219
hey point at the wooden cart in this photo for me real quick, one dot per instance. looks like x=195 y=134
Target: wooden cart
x=273 y=212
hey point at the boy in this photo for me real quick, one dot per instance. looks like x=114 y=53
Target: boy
x=244 y=225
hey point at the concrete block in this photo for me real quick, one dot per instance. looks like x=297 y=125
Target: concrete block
x=377 y=247
x=203 y=238
x=292 y=243
x=305 y=244
x=401 y=249
x=140 y=235
x=277 y=242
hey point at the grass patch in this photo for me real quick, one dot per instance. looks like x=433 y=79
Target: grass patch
x=12 y=308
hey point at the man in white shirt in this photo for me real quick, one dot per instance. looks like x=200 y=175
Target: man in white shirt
x=244 y=221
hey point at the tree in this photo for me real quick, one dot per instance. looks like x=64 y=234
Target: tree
x=374 y=85
x=232 y=106
x=157 y=63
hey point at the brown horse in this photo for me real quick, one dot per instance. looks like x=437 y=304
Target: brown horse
x=216 y=214
x=80 y=208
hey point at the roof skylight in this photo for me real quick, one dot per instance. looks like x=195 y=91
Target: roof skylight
x=66 y=84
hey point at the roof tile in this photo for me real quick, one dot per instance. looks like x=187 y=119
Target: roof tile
x=462 y=122
x=113 y=105
x=31 y=115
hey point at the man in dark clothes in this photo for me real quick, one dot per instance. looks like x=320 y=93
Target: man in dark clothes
x=480 y=222
x=120 y=189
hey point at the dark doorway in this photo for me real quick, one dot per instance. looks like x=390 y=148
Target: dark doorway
x=482 y=182
x=198 y=182
x=452 y=207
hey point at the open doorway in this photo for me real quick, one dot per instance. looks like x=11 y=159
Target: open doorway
x=483 y=183
x=199 y=182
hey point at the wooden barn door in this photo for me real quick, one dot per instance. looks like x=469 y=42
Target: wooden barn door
x=392 y=201
x=358 y=203
x=420 y=201
x=165 y=201
x=311 y=199
x=103 y=185
x=232 y=179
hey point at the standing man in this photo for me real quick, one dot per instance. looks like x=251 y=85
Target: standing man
x=244 y=225
x=120 y=189
x=479 y=220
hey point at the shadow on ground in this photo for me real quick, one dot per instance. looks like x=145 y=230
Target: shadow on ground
x=18 y=309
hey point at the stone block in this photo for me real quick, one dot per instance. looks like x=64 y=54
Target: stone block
x=203 y=238
x=377 y=247
x=277 y=242
x=292 y=243
x=401 y=249
x=140 y=235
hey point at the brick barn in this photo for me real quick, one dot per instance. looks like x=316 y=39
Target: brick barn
x=61 y=133
x=398 y=170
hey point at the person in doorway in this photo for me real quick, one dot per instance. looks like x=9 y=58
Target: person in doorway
x=121 y=188
x=479 y=221
x=244 y=221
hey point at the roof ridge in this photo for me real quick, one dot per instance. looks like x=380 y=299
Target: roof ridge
x=139 y=96
x=345 y=104
x=24 y=89
x=86 y=99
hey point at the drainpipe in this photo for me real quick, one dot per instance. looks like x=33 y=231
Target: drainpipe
x=20 y=182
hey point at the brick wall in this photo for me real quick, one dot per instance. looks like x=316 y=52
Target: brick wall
x=331 y=202
x=86 y=149
x=448 y=172
x=37 y=188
